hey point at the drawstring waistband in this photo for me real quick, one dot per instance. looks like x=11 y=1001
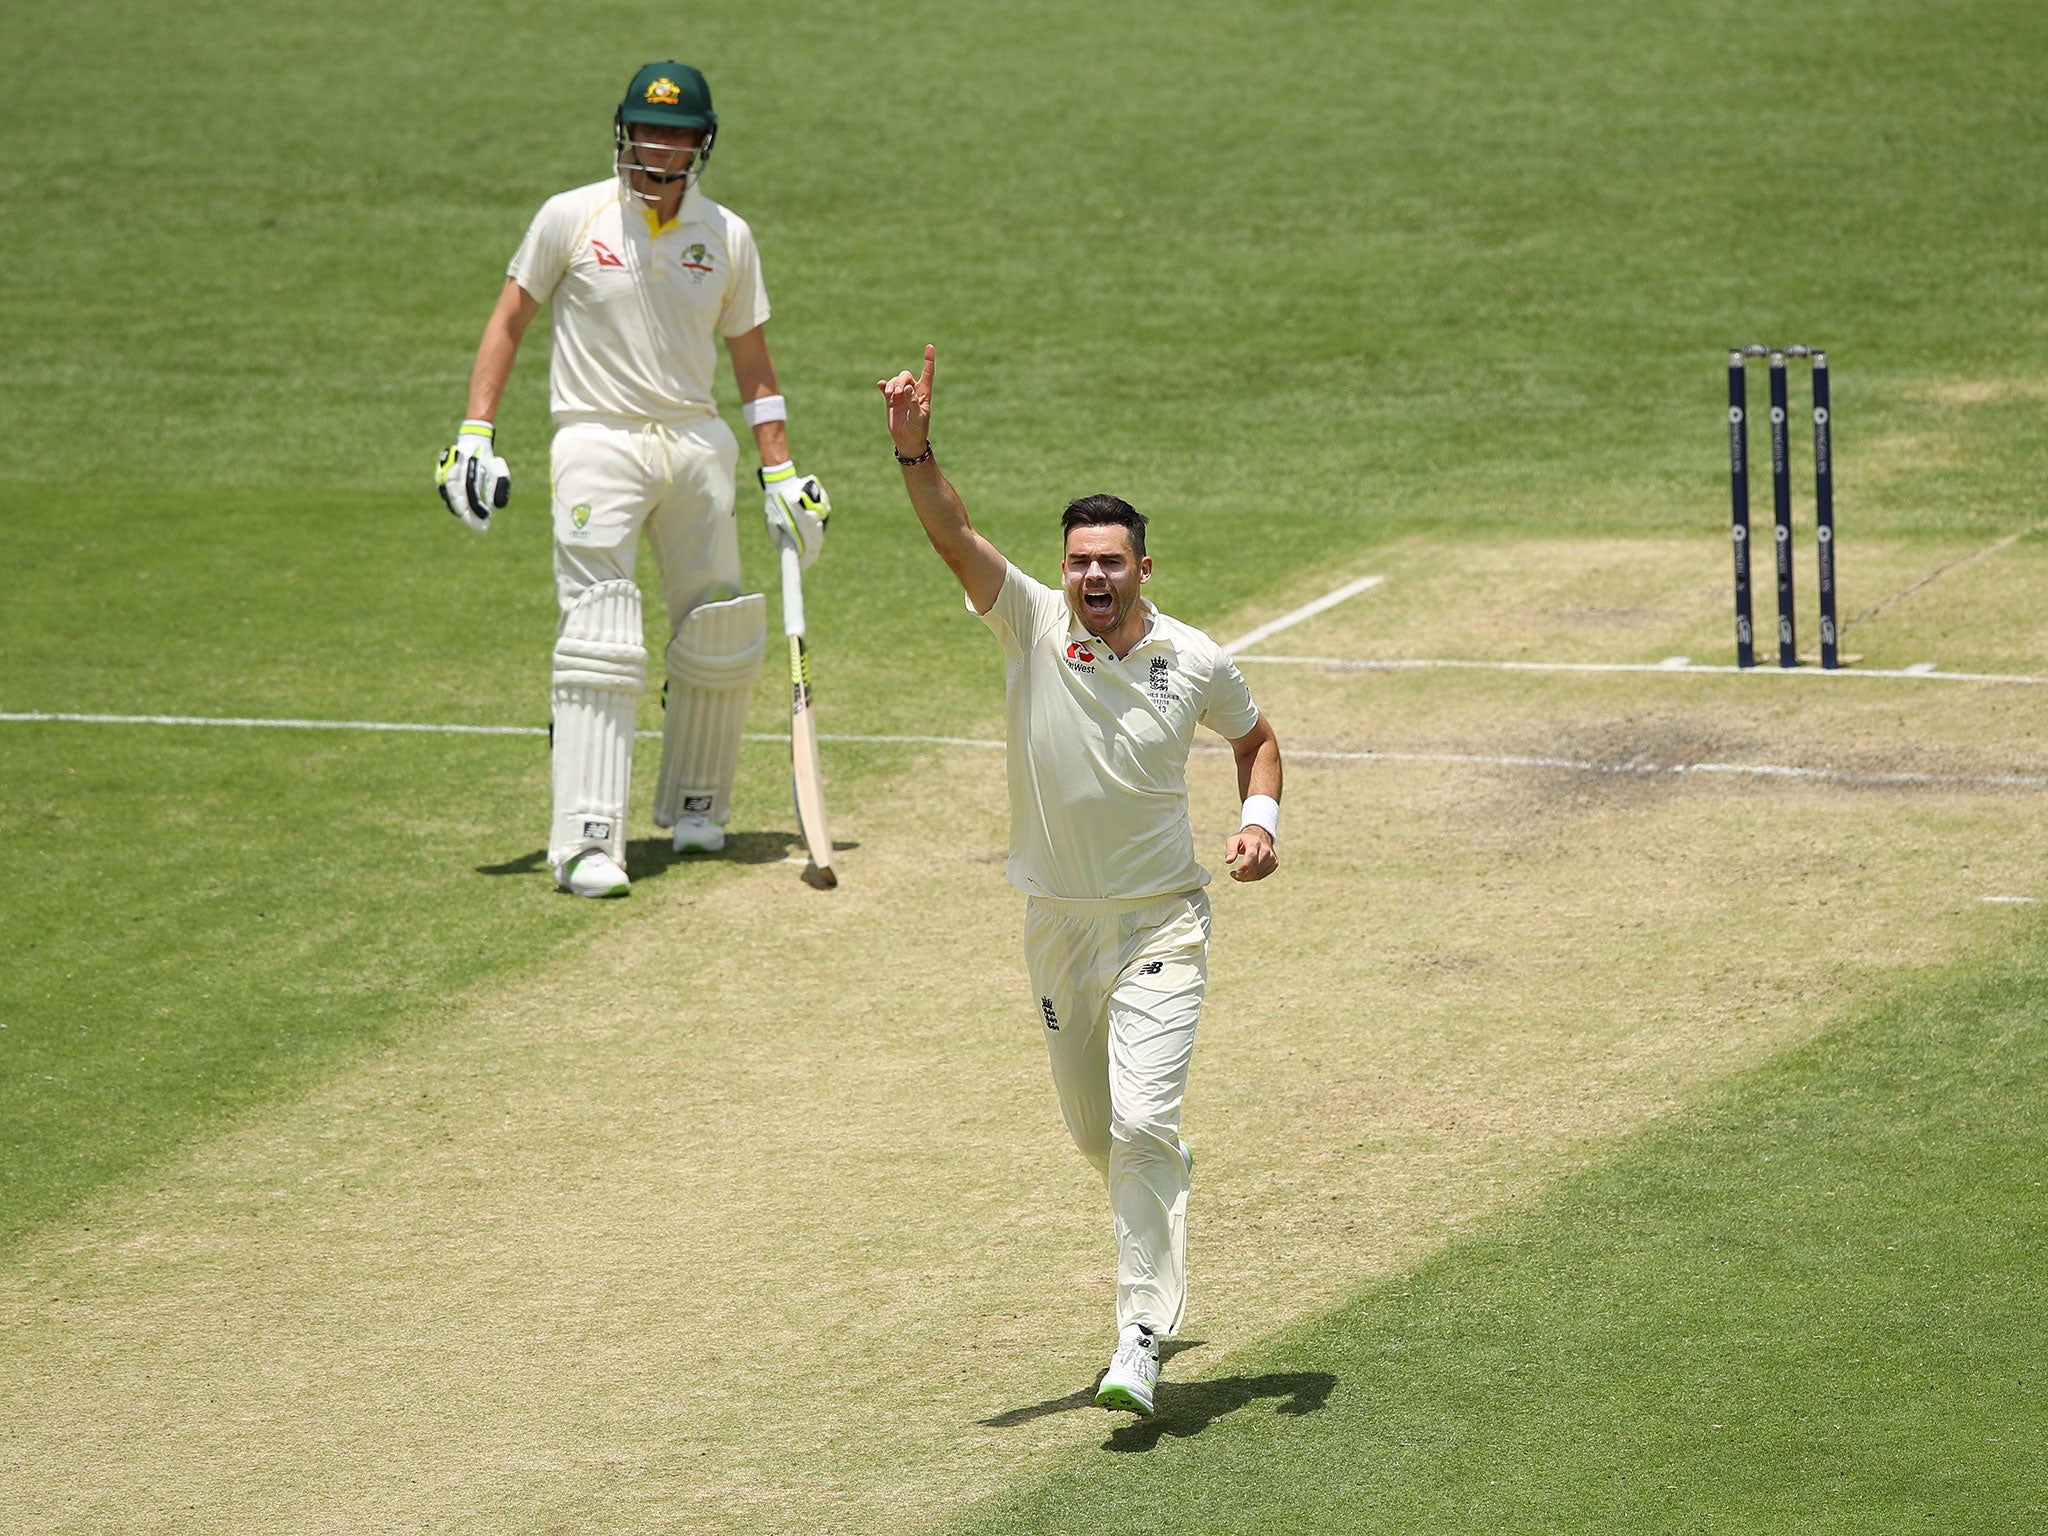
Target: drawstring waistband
x=651 y=433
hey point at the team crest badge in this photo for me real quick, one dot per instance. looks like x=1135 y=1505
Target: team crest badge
x=664 y=93
x=697 y=262
x=580 y=515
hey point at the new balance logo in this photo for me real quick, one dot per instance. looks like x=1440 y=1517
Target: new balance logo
x=1051 y=1018
x=1152 y=968
x=696 y=805
x=597 y=829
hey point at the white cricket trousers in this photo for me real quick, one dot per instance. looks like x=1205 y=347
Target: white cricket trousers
x=1120 y=993
x=610 y=480
x=613 y=479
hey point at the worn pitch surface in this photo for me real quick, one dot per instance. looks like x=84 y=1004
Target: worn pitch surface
x=754 y=1208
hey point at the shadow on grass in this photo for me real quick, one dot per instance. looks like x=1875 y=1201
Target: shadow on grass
x=1186 y=1409
x=649 y=858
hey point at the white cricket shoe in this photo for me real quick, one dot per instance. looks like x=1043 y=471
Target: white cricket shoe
x=593 y=872
x=1133 y=1372
x=694 y=834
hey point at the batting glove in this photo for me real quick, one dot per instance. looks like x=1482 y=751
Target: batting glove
x=797 y=510
x=473 y=481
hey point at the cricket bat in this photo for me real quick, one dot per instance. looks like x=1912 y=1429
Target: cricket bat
x=805 y=777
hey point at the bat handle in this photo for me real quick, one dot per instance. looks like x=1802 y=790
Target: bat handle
x=792 y=589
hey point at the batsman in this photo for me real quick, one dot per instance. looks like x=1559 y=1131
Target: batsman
x=1103 y=696
x=642 y=272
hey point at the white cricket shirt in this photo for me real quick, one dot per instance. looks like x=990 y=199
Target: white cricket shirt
x=1098 y=748
x=636 y=314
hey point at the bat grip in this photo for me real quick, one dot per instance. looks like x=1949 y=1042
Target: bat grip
x=792 y=589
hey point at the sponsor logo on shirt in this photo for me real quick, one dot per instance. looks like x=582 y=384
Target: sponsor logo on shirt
x=1079 y=657
x=604 y=255
x=1051 y=1019
x=1151 y=968
x=697 y=262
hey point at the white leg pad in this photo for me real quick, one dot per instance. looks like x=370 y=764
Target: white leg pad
x=712 y=664
x=600 y=669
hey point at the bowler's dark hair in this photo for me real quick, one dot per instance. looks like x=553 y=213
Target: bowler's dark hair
x=1100 y=510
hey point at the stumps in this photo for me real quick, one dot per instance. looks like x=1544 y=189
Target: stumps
x=1824 y=509
x=1781 y=500
x=1738 y=479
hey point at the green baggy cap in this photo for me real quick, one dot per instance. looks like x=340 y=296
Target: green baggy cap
x=669 y=93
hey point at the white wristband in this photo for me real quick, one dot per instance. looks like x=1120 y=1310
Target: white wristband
x=1262 y=811
x=767 y=408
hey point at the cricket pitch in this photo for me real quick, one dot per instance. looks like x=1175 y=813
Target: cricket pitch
x=755 y=1211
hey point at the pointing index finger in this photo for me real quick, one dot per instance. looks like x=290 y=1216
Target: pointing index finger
x=931 y=361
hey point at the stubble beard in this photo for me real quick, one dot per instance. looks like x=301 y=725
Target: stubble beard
x=1119 y=610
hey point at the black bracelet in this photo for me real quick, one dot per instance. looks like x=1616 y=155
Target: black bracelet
x=906 y=463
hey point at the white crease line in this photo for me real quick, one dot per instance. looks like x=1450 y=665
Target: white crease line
x=1464 y=759
x=1357 y=664
x=1306 y=611
x=282 y=725
x=36 y=716
x=907 y=741
x=2013 y=901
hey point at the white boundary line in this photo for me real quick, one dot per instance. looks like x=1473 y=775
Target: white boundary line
x=1305 y=611
x=1356 y=664
x=1630 y=769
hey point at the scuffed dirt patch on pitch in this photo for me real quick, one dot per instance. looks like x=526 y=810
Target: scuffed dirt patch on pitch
x=754 y=1212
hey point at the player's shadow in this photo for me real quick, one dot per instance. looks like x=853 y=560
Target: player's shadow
x=534 y=863
x=652 y=857
x=1185 y=1409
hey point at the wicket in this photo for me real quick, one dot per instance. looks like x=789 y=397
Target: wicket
x=1781 y=500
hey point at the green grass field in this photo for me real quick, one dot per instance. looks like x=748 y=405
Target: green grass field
x=1489 y=1077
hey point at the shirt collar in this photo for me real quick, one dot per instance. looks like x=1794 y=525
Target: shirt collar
x=690 y=211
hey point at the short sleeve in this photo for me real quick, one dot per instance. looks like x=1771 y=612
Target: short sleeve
x=543 y=256
x=746 y=297
x=1019 y=611
x=1227 y=706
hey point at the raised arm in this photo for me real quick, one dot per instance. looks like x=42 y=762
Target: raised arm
x=977 y=563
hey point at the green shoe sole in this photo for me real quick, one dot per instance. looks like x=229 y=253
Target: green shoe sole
x=1119 y=1397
